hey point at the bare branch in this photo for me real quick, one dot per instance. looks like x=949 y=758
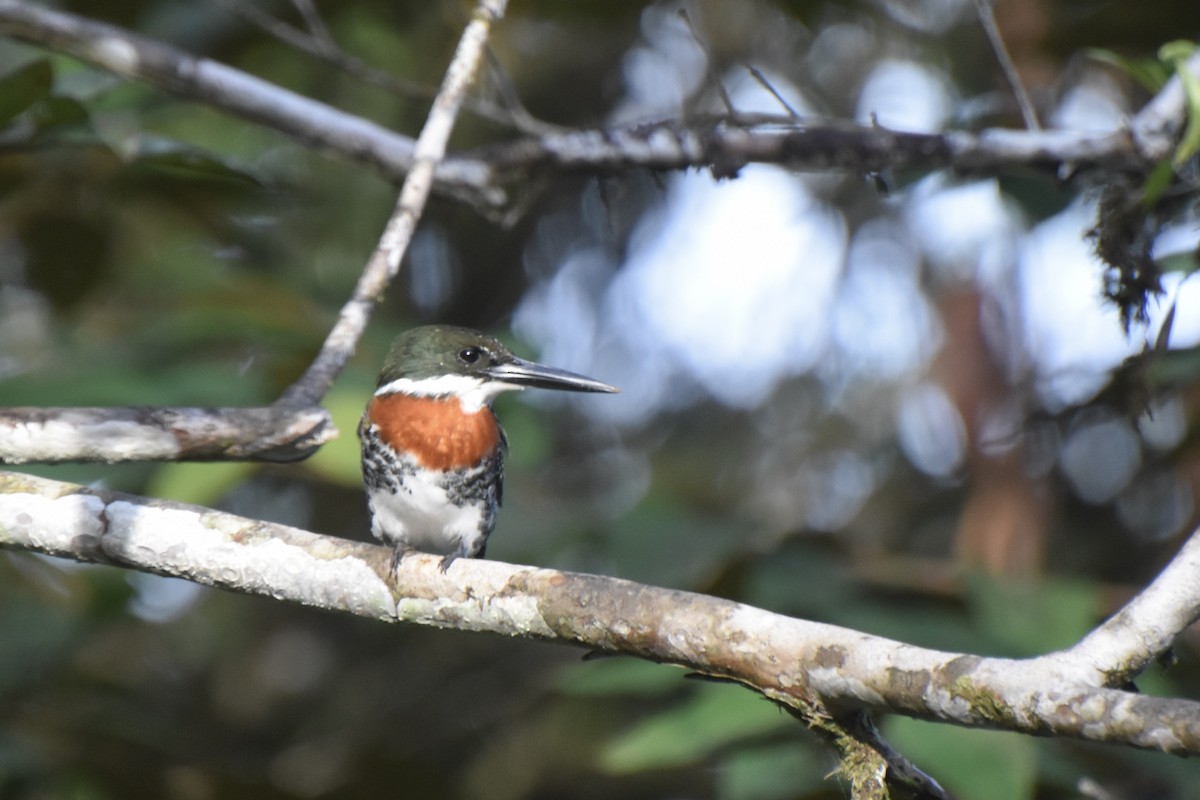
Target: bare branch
x=802 y=664
x=987 y=19
x=55 y=435
x=312 y=123
x=385 y=261
x=726 y=145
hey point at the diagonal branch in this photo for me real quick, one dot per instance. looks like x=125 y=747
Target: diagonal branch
x=799 y=663
x=384 y=263
x=310 y=122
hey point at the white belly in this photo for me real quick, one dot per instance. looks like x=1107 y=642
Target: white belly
x=420 y=516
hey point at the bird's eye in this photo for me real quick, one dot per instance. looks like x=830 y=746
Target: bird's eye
x=469 y=355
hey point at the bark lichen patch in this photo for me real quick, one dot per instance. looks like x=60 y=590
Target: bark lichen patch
x=983 y=701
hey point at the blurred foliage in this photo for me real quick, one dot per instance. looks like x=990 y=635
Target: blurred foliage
x=157 y=252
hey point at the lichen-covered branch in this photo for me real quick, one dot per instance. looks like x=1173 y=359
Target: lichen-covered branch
x=802 y=664
x=55 y=435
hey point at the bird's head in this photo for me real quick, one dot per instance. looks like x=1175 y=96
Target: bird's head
x=439 y=360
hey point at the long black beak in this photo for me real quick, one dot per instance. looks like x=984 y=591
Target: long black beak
x=520 y=372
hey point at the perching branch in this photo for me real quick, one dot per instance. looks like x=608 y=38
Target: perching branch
x=397 y=234
x=804 y=665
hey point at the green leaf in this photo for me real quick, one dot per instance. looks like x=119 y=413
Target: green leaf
x=1184 y=262
x=199 y=483
x=1177 y=53
x=23 y=87
x=1175 y=369
x=713 y=717
x=1157 y=182
x=971 y=764
x=1190 y=141
x=1149 y=72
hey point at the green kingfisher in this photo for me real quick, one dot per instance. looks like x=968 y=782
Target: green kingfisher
x=432 y=449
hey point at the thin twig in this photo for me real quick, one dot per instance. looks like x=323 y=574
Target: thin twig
x=322 y=46
x=307 y=42
x=513 y=110
x=710 y=61
x=758 y=75
x=385 y=261
x=987 y=19
x=316 y=25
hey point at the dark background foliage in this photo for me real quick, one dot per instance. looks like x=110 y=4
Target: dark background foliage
x=950 y=493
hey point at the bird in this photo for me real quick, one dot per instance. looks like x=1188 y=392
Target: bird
x=432 y=448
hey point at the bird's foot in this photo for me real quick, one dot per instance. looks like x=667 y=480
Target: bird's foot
x=398 y=554
x=462 y=552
